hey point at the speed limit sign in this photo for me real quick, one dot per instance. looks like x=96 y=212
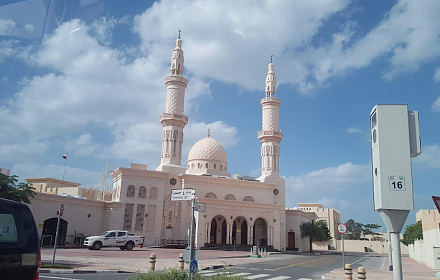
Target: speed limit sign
x=342 y=228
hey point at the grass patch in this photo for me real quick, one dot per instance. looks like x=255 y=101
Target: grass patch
x=182 y=275
x=56 y=265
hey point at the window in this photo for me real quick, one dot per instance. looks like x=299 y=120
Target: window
x=130 y=191
x=153 y=193
x=248 y=199
x=142 y=192
x=230 y=197
x=211 y=195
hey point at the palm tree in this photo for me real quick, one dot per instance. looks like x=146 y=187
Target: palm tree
x=12 y=190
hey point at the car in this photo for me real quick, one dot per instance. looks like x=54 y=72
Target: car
x=20 y=256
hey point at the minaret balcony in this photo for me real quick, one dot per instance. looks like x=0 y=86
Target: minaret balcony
x=270 y=136
x=173 y=118
x=271 y=100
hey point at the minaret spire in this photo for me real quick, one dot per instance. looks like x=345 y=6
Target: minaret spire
x=270 y=136
x=173 y=119
x=177 y=58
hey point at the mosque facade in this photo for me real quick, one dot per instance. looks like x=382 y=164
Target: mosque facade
x=241 y=211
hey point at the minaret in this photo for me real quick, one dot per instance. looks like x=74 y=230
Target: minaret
x=270 y=136
x=173 y=119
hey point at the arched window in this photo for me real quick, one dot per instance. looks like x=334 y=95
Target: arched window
x=130 y=191
x=207 y=165
x=230 y=197
x=211 y=195
x=142 y=192
x=153 y=193
x=248 y=199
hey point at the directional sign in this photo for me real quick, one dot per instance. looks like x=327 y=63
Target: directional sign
x=181 y=194
x=200 y=207
x=193 y=266
x=342 y=228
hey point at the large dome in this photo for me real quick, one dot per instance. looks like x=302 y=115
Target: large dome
x=208 y=158
x=208 y=149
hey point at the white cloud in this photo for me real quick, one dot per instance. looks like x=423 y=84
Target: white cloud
x=327 y=181
x=231 y=39
x=436 y=76
x=77 y=175
x=436 y=105
x=355 y=130
x=429 y=158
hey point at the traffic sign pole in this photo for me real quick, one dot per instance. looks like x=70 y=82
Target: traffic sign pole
x=60 y=213
x=342 y=229
x=191 y=254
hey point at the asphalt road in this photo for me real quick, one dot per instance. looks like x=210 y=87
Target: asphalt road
x=294 y=267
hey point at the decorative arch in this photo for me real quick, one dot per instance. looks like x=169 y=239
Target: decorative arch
x=217 y=233
x=260 y=232
x=130 y=191
x=248 y=198
x=230 y=197
x=211 y=195
x=142 y=192
x=153 y=193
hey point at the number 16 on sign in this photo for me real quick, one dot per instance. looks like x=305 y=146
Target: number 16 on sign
x=396 y=183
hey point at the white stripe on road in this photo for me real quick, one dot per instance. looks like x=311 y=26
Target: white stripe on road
x=257 y=276
x=279 y=278
x=240 y=274
x=216 y=273
x=254 y=268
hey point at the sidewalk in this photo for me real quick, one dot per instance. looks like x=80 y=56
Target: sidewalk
x=138 y=260
x=411 y=270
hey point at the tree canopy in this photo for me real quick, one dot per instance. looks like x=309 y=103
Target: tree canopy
x=12 y=190
x=412 y=233
x=359 y=231
x=315 y=231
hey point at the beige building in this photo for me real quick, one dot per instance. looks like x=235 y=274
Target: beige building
x=330 y=216
x=239 y=210
x=423 y=250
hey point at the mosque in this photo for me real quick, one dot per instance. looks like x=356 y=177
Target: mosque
x=238 y=210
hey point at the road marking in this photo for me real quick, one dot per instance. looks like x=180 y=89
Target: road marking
x=279 y=278
x=254 y=268
x=257 y=276
x=56 y=277
x=269 y=269
x=217 y=273
x=240 y=274
x=295 y=264
x=305 y=279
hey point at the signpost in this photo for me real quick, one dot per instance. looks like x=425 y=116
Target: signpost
x=342 y=229
x=60 y=213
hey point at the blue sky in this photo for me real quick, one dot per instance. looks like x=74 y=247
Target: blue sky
x=87 y=78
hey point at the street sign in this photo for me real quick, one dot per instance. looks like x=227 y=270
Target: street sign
x=200 y=207
x=187 y=254
x=193 y=267
x=342 y=228
x=181 y=194
x=61 y=209
x=437 y=202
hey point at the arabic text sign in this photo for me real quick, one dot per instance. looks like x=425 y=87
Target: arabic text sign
x=181 y=194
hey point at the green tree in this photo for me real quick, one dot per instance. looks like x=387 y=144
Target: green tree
x=368 y=230
x=354 y=230
x=315 y=231
x=412 y=233
x=12 y=190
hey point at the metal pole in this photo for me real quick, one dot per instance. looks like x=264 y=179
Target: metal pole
x=397 y=261
x=390 y=263
x=56 y=236
x=343 y=253
x=191 y=252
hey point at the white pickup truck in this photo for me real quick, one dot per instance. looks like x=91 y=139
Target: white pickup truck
x=113 y=238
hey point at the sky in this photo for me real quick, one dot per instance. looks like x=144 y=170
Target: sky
x=86 y=78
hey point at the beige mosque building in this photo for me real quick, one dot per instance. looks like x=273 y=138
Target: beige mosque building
x=239 y=210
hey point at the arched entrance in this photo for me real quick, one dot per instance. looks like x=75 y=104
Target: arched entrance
x=239 y=231
x=50 y=230
x=218 y=230
x=260 y=232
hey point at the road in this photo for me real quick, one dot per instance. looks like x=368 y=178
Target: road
x=294 y=267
